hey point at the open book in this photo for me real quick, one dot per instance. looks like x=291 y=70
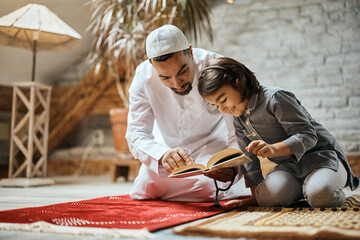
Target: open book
x=229 y=157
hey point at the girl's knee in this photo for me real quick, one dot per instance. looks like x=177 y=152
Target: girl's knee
x=272 y=197
x=323 y=187
x=325 y=197
x=278 y=189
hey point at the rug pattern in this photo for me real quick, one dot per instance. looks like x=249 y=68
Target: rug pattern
x=283 y=223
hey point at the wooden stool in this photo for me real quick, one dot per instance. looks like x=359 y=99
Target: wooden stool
x=126 y=168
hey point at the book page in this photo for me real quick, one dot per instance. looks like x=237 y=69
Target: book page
x=230 y=163
x=187 y=174
x=188 y=170
x=223 y=154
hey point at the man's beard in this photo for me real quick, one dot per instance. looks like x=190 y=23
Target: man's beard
x=189 y=87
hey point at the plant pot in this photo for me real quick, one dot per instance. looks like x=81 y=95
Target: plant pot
x=118 y=119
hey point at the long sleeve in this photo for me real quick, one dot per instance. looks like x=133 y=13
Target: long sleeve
x=292 y=117
x=139 y=132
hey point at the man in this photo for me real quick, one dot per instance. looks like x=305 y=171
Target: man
x=170 y=125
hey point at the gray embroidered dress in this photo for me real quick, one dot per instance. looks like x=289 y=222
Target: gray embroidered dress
x=276 y=115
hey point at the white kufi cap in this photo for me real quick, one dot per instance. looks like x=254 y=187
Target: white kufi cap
x=164 y=40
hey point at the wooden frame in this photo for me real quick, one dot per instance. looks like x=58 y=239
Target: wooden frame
x=29 y=135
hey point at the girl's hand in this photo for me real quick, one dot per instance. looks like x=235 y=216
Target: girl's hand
x=251 y=201
x=261 y=148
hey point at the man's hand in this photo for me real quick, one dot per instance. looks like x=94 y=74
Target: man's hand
x=222 y=174
x=175 y=158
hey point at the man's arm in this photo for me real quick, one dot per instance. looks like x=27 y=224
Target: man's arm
x=140 y=125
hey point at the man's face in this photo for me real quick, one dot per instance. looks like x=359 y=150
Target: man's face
x=177 y=72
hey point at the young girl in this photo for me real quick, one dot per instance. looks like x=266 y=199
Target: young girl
x=270 y=122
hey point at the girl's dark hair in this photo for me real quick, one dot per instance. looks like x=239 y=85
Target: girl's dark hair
x=224 y=71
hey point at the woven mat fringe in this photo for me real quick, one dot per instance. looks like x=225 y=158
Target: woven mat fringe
x=80 y=231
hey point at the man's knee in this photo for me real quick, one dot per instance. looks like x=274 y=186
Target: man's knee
x=138 y=196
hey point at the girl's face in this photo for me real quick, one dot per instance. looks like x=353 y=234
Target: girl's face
x=228 y=101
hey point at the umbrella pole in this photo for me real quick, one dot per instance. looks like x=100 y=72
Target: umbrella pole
x=34 y=62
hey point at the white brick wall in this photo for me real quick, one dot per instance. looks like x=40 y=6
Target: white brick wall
x=309 y=47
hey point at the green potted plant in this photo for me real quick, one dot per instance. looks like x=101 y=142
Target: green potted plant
x=119 y=29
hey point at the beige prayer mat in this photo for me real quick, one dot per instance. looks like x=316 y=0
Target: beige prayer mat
x=283 y=223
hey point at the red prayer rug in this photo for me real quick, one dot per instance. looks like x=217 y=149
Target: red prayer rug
x=115 y=212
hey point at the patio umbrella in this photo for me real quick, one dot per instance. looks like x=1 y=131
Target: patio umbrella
x=36 y=28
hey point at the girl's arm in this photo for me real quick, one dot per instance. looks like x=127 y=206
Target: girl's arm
x=296 y=122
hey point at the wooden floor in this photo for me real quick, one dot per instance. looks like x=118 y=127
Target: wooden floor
x=68 y=189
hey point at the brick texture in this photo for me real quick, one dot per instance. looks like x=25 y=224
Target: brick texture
x=309 y=47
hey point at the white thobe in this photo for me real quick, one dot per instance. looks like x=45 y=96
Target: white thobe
x=160 y=120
